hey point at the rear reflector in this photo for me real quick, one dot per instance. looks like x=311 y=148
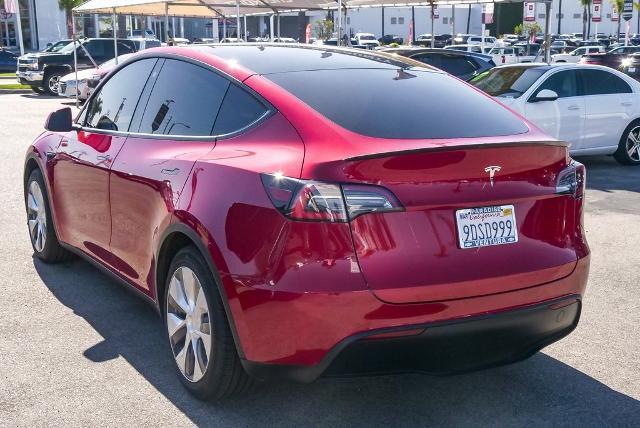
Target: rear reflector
x=318 y=201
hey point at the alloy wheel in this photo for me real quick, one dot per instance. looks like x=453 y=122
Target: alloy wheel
x=36 y=216
x=633 y=144
x=188 y=324
x=54 y=84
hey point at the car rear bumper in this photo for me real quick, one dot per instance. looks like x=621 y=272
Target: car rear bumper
x=304 y=335
x=440 y=348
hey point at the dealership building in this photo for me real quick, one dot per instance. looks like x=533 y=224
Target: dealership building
x=43 y=22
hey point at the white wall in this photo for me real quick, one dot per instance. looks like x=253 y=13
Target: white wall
x=369 y=20
x=51 y=21
x=572 y=18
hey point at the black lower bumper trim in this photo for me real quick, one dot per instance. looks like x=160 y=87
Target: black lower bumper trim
x=443 y=348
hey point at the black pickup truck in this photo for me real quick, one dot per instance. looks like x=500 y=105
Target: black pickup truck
x=43 y=70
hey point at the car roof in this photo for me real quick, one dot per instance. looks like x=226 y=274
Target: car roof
x=268 y=58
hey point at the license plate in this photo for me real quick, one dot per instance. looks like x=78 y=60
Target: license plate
x=632 y=69
x=486 y=226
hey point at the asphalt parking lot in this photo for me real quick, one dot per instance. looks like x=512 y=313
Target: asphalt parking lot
x=77 y=349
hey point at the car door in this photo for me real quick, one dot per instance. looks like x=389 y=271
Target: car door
x=609 y=102
x=564 y=117
x=172 y=128
x=82 y=164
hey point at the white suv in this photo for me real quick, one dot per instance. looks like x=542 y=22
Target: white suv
x=367 y=39
x=575 y=55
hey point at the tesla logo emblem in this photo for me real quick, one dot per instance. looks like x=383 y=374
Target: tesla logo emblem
x=492 y=171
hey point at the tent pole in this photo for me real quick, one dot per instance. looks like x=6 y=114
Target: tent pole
x=115 y=35
x=433 y=36
x=166 y=22
x=271 y=29
x=244 y=24
x=339 y=33
x=19 y=27
x=224 y=28
x=238 y=29
x=75 y=55
x=278 y=26
x=547 y=39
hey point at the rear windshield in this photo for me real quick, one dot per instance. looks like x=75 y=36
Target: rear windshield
x=394 y=103
x=510 y=82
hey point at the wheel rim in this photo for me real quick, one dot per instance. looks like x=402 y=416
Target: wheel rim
x=36 y=216
x=188 y=324
x=633 y=144
x=54 y=84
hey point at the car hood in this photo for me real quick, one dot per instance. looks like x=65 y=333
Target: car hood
x=82 y=75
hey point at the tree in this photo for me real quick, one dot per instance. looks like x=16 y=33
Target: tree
x=529 y=29
x=67 y=6
x=586 y=18
x=323 y=29
x=618 y=5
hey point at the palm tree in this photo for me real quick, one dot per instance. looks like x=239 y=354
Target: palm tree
x=586 y=18
x=619 y=6
x=67 y=6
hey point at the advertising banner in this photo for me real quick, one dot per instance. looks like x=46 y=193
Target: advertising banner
x=529 y=11
x=596 y=11
x=487 y=13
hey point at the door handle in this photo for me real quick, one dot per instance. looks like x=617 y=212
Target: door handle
x=573 y=107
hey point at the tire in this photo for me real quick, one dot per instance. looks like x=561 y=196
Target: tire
x=628 y=152
x=39 y=222
x=51 y=81
x=222 y=374
x=38 y=90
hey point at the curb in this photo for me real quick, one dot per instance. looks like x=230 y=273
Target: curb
x=15 y=91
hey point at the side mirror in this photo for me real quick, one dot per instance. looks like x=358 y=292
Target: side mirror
x=93 y=83
x=59 y=121
x=546 y=95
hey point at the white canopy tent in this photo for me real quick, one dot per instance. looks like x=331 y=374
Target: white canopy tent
x=236 y=8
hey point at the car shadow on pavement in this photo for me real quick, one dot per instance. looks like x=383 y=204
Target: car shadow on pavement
x=539 y=391
x=606 y=174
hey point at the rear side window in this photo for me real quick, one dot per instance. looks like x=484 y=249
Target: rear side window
x=239 y=110
x=429 y=58
x=184 y=101
x=600 y=82
x=396 y=103
x=112 y=108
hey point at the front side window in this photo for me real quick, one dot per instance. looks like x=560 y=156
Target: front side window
x=563 y=83
x=184 y=101
x=601 y=82
x=112 y=108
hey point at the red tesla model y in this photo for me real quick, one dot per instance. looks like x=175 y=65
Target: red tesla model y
x=298 y=211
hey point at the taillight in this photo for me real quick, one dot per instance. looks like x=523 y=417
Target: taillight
x=571 y=180
x=318 y=201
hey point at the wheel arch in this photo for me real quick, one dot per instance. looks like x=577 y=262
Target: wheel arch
x=177 y=236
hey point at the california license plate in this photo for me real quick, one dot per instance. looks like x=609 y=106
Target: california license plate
x=632 y=70
x=486 y=226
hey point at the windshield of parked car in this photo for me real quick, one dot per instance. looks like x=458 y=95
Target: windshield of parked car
x=68 y=48
x=508 y=82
